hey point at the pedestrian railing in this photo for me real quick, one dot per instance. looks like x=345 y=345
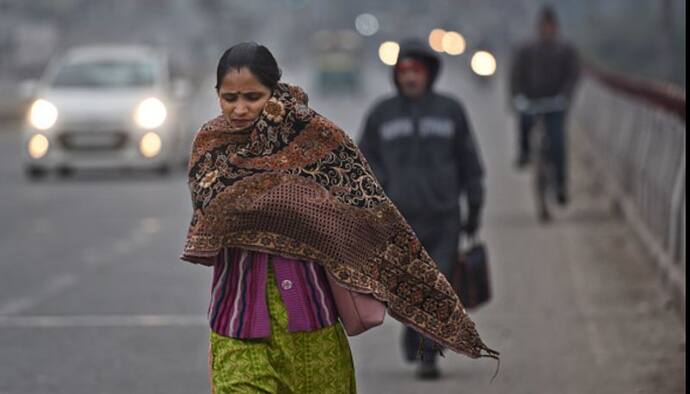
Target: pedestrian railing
x=639 y=146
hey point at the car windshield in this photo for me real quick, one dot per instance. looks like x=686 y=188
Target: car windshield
x=105 y=74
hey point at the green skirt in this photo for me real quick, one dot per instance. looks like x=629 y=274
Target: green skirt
x=287 y=362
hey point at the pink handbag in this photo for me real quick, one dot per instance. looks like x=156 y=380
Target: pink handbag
x=358 y=312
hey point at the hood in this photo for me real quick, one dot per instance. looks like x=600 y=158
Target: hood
x=78 y=105
x=418 y=50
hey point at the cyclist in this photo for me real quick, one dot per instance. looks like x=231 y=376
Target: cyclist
x=546 y=68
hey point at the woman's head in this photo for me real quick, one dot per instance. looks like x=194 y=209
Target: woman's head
x=246 y=76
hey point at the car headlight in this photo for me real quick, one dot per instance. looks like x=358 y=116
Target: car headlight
x=43 y=114
x=150 y=145
x=38 y=146
x=150 y=113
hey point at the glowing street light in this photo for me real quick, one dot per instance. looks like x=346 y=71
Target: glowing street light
x=388 y=52
x=367 y=24
x=436 y=39
x=483 y=63
x=453 y=43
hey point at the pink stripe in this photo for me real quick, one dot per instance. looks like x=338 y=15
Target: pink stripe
x=220 y=271
x=235 y=284
x=217 y=269
x=252 y=296
x=236 y=303
x=321 y=302
x=247 y=300
x=261 y=321
x=311 y=317
x=329 y=295
x=312 y=302
x=222 y=311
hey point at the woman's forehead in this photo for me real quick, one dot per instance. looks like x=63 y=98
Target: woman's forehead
x=241 y=81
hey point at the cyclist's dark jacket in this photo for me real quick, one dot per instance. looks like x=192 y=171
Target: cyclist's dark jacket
x=544 y=69
x=424 y=152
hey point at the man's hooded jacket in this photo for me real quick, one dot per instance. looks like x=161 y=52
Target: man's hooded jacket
x=423 y=152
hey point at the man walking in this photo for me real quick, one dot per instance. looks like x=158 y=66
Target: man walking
x=420 y=146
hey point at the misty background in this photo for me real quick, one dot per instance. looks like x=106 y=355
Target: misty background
x=639 y=37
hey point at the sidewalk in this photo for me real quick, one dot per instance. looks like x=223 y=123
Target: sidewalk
x=578 y=307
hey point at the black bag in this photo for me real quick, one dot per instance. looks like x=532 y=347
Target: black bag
x=470 y=276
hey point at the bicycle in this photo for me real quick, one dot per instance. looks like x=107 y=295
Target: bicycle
x=544 y=168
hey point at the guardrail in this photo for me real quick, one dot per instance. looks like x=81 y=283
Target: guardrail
x=636 y=136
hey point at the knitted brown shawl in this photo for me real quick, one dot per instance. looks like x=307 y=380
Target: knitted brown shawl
x=294 y=184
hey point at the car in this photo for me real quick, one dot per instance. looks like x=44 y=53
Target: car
x=99 y=107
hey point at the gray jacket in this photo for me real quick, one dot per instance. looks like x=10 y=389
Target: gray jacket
x=544 y=69
x=424 y=154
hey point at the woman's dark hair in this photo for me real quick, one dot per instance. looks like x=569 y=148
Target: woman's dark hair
x=257 y=58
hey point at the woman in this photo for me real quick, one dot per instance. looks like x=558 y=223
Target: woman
x=280 y=196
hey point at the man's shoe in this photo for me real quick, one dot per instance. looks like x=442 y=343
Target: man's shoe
x=544 y=217
x=522 y=162
x=428 y=371
x=562 y=198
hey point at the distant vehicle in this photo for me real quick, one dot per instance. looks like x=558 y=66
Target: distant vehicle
x=338 y=56
x=104 y=107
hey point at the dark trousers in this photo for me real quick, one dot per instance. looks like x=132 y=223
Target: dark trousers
x=554 y=125
x=441 y=240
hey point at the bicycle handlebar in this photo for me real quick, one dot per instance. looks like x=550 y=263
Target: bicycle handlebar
x=540 y=106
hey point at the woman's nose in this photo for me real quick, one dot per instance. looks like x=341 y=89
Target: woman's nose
x=240 y=109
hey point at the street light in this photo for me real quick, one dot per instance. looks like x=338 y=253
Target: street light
x=367 y=24
x=453 y=43
x=436 y=39
x=388 y=52
x=483 y=63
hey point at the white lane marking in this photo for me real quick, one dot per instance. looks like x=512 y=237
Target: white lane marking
x=54 y=286
x=47 y=321
x=151 y=225
x=137 y=237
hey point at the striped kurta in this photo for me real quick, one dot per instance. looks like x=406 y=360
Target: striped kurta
x=310 y=362
x=238 y=306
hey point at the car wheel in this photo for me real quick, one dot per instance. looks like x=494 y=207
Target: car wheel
x=163 y=170
x=35 y=173
x=65 y=172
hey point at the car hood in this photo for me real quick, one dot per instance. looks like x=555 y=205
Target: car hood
x=77 y=105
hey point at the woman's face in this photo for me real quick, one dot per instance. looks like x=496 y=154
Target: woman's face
x=242 y=97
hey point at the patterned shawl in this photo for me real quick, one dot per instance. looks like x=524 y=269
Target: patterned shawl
x=296 y=185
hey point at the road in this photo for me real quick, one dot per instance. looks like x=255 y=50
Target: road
x=93 y=298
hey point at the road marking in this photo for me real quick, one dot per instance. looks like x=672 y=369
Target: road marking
x=47 y=321
x=137 y=237
x=54 y=286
